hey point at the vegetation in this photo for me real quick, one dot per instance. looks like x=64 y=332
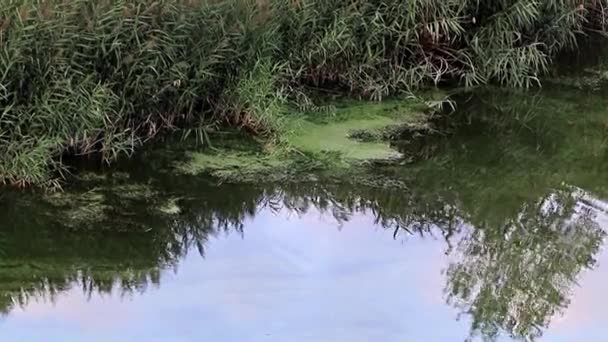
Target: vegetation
x=85 y=76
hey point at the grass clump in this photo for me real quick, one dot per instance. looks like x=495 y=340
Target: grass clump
x=85 y=77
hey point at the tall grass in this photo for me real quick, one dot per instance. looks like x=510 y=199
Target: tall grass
x=101 y=76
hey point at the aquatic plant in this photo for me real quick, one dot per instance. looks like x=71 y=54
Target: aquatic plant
x=86 y=77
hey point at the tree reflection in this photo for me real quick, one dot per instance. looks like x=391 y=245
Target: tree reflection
x=514 y=278
x=511 y=277
x=528 y=236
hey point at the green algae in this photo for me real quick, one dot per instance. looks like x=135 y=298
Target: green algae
x=336 y=137
x=340 y=131
x=352 y=134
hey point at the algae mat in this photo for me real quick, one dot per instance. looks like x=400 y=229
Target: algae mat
x=352 y=133
x=337 y=138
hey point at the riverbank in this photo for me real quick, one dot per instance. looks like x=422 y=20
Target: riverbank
x=89 y=78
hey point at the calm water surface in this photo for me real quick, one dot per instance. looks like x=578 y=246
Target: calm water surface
x=496 y=232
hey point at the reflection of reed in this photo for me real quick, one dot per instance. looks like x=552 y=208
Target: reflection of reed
x=43 y=257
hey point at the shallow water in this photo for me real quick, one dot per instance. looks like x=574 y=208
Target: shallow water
x=495 y=232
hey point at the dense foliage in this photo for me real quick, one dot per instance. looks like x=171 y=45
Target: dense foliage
x=103 y=76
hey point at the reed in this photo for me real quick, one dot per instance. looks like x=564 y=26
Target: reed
x=79 y=77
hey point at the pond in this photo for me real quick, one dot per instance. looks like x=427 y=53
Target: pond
x=494 y=230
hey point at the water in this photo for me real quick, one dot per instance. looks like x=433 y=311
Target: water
x=495 y=232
